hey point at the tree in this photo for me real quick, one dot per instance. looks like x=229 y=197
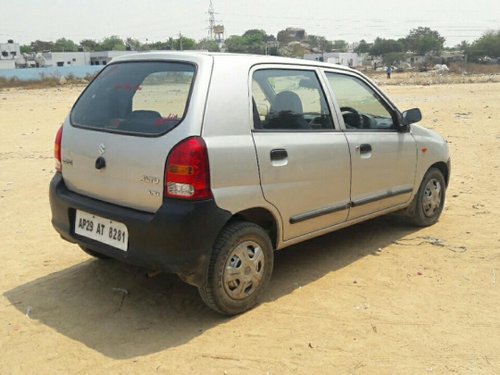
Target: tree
x=90 y=45
x=423 y=40
x=65 y=45
x=26 y=48
x=133 y=44
x=319 y=43
x=112 y=43
x=463 y=45
x=236 y=44
x=157 y=46
x=363 y=47
x=392 y=58
x=384 y=46
x=209 y=45
x=486 y=45
x=339 y=45
x=252 y=41
x=255 y=41
x=40 y=46
x=182 y=43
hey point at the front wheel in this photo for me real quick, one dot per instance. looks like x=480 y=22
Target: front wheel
x=429 y=201
x=240 y=269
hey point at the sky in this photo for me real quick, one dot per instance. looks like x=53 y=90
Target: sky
x=157 y=20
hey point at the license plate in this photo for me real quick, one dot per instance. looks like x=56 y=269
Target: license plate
x=100 y=229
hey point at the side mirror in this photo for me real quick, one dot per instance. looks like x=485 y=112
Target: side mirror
x=411 y=116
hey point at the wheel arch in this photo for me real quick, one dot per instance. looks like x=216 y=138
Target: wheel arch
x=263 y=218
x=444 y=169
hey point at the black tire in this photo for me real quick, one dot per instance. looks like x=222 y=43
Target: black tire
x=93 y=253
x=429 y=201
x=239 y=270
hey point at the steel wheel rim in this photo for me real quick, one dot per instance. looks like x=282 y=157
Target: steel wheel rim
x=431 y=201
x=244 y=270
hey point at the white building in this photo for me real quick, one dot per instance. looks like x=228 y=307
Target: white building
x=7 y=64
x=66 y=58
x=104 y=57
x=351 y=59
x=9 y=52
x=62 y=59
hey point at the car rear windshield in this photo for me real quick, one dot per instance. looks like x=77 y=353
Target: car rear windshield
x=143 y=98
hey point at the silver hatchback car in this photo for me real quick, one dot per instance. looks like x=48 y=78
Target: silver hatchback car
x=204 y=164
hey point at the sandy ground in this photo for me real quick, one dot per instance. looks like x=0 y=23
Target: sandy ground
x=379 y=297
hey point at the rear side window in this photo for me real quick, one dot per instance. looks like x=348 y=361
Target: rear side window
x=146 y=98
x=285 y=99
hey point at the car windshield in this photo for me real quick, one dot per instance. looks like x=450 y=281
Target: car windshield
x=143 y=98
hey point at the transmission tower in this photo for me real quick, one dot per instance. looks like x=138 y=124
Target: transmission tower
x=211 y=21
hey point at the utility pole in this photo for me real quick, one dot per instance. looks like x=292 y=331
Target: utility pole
x=180 y=41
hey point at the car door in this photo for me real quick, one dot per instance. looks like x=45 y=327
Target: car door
x=383 y=159
x=304 y=161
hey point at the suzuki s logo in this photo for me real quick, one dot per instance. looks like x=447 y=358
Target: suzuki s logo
x=101 y=149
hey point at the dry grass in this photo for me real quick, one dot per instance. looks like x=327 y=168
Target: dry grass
x=432 y=78
x=45 y=82
x=15 y=82
x=458 y=73
x=474 y=68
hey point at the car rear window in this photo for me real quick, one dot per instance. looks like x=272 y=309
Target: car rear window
x=143 y=98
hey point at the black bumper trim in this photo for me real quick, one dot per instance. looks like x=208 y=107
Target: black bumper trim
x=177 y=238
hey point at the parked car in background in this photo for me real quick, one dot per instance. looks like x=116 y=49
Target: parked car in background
x=205 y=164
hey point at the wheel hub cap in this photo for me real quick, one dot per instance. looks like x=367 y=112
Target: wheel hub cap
x=244 y=270
x=431 y=201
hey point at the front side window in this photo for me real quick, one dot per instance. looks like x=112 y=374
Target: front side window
x=289 y=100
x=148 y=98
x=362 y=108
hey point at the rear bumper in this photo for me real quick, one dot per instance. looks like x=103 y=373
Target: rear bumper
x=178 y=238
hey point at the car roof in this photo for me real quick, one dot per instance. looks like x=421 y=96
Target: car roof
x=238 y=57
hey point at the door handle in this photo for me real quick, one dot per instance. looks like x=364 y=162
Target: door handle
x=279 y=154
x=364 y=148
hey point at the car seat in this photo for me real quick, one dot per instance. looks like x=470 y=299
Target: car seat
x=286 y=112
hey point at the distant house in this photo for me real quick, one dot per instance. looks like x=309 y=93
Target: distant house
x=9 y=52
x=445 y=57
x=351 y=59
x=292 y=34
x=65 y=59
x=104 y=57
x=452 y=57
x=414 y=59
x=82 y=58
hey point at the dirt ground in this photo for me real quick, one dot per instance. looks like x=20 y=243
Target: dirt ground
x=377 y=298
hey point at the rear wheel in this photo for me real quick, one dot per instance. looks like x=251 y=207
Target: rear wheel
x=93 y=253
x=429 y=201
x=239 y=270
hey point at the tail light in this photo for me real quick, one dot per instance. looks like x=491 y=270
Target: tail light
x=57 y=149
x=187 y=173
